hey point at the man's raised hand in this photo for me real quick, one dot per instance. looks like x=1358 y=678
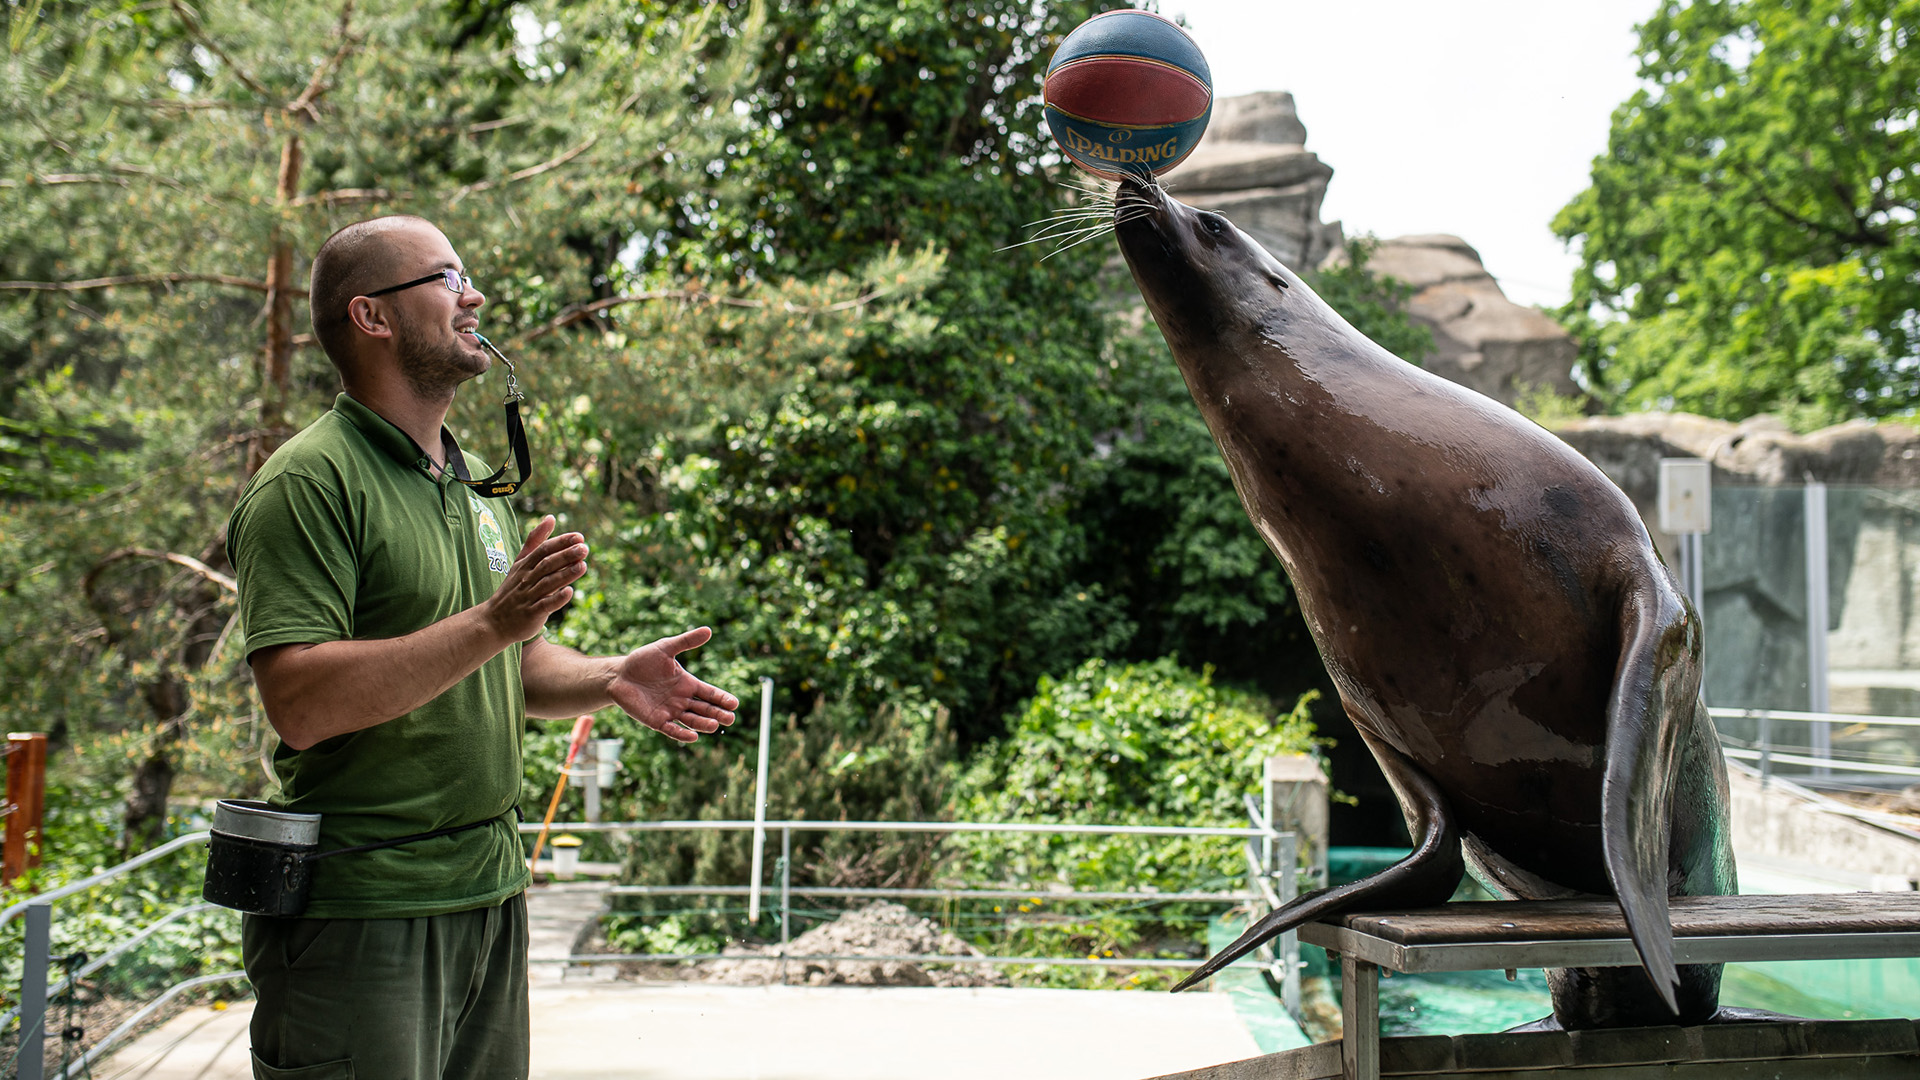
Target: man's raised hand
x=653 y=688
x=539 y=583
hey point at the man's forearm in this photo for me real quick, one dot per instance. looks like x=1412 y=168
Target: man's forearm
x=315 y=692
x=560 y=682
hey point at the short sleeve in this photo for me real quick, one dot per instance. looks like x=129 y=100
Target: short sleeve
x=294 y=560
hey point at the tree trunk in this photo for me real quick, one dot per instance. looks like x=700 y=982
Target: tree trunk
x=277 y=355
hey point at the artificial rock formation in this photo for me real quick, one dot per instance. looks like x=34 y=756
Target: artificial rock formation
x=1481 y=339
x=1253 y=166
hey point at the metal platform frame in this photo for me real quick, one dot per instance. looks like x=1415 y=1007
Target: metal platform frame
x=1363 y=956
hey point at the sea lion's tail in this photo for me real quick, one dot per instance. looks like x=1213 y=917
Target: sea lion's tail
x=1655 y=689
x=1427 y=876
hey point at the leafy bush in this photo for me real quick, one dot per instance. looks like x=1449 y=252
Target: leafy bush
x=1140 y=744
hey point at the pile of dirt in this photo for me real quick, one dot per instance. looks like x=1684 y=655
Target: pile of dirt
x=1905 y=801
x=879 y=929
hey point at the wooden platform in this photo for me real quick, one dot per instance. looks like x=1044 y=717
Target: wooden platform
x=1592 y=933
x=1800 y=1050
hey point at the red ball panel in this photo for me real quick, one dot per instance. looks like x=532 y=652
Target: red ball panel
x=1128 y=91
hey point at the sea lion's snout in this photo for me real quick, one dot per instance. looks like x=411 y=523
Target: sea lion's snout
x=1200 y=275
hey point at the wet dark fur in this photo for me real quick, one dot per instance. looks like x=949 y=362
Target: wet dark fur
x=1487 y=602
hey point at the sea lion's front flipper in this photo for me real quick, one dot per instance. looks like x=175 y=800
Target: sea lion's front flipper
x=1654 y=691
x=1427 y=876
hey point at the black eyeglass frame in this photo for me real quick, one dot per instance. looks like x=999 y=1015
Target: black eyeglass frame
x=454 y=280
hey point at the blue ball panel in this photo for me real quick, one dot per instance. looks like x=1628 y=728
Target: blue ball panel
x=1133 y=33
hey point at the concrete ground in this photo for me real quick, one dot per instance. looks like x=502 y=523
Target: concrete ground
x=586 y=1026
x=694 y=1031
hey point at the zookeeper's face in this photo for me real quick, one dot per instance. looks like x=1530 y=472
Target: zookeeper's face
x=433 y=321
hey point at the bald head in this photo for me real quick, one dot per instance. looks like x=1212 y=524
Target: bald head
x=358 y=259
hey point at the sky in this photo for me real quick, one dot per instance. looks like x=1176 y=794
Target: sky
x=1479 y=118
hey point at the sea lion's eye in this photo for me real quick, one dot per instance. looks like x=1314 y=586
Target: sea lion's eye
x=1214 y=223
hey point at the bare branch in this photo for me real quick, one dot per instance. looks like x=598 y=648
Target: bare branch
x=494 y=125
x=583 y=312
x=63 y=178
x=318 y=84
x=180 y=104
x=124 y=170
x=343 y=196
x=192 y=23
x=526 y=173
x=187 y=562
x=136 y=170
x=141 y=279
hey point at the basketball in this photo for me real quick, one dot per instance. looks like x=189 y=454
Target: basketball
x=1128 y=92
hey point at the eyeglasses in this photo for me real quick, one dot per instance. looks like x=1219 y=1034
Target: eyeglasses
x=454 y=280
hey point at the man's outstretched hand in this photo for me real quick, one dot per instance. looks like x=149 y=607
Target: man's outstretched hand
x=653 y=688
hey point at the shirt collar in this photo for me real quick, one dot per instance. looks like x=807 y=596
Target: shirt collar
x=383 y=434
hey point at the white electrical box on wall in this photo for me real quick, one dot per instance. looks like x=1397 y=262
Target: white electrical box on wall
x=1686 y=499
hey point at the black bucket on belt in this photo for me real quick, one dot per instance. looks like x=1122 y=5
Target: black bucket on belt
x=259 y=858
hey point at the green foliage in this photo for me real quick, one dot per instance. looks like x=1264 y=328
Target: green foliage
x=1166 y=535
x=82 y=840
x=899 y=524
x=1544 y=407
x=894 y=764
x=1748 y=243
x=146 y=146
x=747 y=260
x=1140 y=744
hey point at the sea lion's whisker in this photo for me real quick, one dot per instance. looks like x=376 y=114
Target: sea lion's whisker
x=1093 y=234
x=1061 y=235
x=1089 y=185
x=1067 y=226
x=1076 y=216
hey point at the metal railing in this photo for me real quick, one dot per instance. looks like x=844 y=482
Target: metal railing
x=1270 y=856
x=1817 y=754
x=36 y=995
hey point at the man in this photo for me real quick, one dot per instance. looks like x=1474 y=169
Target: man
x=397 y=648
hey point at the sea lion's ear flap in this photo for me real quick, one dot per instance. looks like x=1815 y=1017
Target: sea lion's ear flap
x=1654 y=688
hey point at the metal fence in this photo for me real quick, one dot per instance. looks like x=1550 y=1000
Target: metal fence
x=1823 y=749
x=1269 y=853
x=1268 y=856
x=37 y=997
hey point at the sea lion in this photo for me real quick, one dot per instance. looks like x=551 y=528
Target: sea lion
x=1488 y=604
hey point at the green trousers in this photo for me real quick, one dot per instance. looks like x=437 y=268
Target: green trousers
x=436 y=998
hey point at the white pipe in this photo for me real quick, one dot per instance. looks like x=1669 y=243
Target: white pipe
x=760 y=799
x=1816 y=524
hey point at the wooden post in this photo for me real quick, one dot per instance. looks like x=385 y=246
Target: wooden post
x=26 y=803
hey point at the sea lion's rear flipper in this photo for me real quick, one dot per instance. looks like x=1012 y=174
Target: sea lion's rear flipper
x=1654 y=690
x=1428 y=876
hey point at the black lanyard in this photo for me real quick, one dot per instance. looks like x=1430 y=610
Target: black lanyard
x=493 y=487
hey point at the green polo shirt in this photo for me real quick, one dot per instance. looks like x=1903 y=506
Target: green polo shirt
x=345 y=534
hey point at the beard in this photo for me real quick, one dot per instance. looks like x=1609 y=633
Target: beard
x=433 y=366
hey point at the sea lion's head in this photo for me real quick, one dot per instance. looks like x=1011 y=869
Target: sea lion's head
x=1207 y=283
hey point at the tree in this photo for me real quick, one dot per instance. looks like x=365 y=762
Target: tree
x=901 y=525
x=168 y=172
x=1748 y=243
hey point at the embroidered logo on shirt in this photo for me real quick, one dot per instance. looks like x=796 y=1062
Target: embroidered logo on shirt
x=491 y=537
